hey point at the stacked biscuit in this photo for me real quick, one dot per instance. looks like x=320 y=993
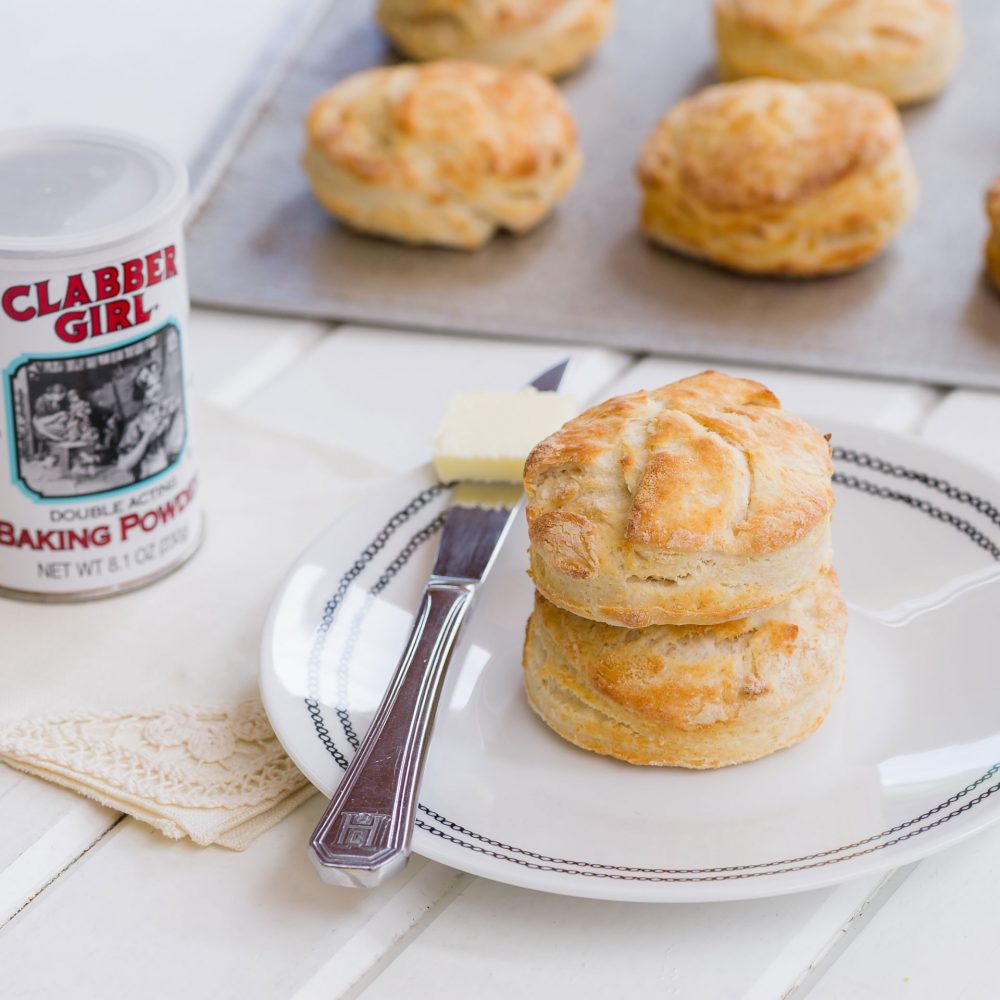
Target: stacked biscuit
x=686 y=610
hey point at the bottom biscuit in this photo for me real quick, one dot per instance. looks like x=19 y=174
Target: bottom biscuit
x=689 y=696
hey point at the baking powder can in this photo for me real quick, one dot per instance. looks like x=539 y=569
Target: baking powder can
x=98 y=468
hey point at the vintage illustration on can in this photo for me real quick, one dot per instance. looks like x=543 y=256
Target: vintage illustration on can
x=93 y=423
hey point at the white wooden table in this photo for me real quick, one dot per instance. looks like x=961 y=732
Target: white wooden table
x=96 y=906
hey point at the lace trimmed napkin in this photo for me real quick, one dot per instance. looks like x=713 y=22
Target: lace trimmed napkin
x=147 y=702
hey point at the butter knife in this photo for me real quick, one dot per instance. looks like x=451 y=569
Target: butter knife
x=363 y=837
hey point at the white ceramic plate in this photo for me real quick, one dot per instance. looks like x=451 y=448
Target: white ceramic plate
x=908 y=761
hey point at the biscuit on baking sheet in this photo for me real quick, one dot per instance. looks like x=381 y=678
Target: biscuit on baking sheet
x=993 y=242
x=689 y=696
x=696 y=503
x=551 y=36
x=907 y=49
x=442 y=153
x=769 y=177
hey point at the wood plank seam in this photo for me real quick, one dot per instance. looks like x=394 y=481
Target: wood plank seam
x=268 y=366
x=851 y=929
x=461 y=884
x=62 y=871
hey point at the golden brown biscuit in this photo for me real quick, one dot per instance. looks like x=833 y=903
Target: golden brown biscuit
x=443 y=153
x=907 y=49
x=689 y=696
x=770 y=177
x=993 y=242
x=551 y=36
x=696 y=503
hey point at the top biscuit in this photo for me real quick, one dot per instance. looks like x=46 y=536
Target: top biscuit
x=696 y=503
x=907 y=49
x=551 y=36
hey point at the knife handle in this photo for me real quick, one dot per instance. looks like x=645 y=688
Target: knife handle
x=364 y=836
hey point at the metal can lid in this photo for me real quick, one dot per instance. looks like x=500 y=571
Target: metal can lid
x=66 y=191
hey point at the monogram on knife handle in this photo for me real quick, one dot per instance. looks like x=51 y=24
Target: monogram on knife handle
x=364 y=835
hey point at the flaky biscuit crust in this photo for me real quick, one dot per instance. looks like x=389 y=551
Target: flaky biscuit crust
x=689 y=696
x=695 y=503
x=907 y=49
x=551 y=36
x=769 y=177
x=443 y=153
x=993 y=241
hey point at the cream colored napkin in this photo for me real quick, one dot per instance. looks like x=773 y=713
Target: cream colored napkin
x=148 y=702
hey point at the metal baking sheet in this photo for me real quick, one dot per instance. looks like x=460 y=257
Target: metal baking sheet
x=923 y=311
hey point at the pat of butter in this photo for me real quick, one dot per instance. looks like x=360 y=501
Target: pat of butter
x=486 y=436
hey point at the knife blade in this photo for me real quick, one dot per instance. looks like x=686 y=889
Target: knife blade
x=363 y=837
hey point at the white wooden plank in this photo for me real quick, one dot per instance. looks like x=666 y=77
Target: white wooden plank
x=141 y=916
x=29 y=806
x=235 y=355
x=495 y=941
x=822 y=950
x=59 y=843
x=376 y=939
x=936 y=936
x=966 y=424
x=163 y=72
x=383 y=392
x=897 y=406
x=43 y=828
